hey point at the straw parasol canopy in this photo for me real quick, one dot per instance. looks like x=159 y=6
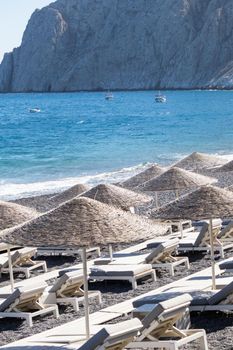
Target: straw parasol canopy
x=117 y=196
x=176 y=179
x=39 y=203
x=68 y=194
x=82 y=222
x=204 y=203
x=225 y=167
x=12 y=214
x=142 y=177
x=198 y=161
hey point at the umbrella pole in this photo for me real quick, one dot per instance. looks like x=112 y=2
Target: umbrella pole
x=156 y=200
x=177 y=194
x=86 y=302
x=110 y=252
x=212 y=254
x=10 y=268
x=181 y=230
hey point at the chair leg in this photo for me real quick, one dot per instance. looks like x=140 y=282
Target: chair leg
x=27 y=273
x=99 y=298
x=203 y=343
x=134 y=283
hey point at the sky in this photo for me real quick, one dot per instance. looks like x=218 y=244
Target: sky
x=14 y=15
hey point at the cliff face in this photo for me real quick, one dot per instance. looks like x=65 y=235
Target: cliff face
x=123 y=44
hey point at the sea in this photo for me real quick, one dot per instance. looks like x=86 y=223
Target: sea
x=83 y=138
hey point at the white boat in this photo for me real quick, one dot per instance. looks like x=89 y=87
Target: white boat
x=109 y=96
x=34 y=110
x=160 y=98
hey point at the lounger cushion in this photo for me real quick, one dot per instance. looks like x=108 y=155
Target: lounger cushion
x=169 y=244
x=72 y=277
x=171 y=306
x=62 y=272
x=221 y=295
x=198 y=298
x=153 y=245
x=119 y=270
x=227 y=265
x=113 y=334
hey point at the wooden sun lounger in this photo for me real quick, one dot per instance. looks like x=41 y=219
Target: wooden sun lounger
x=114 y=337
x=226 y=234
x=201 y=240
x=102 y=337
x=26 y=303
x=159 y=330
x=67 y=290
x=131 y=273
x=209 y=300
x=160 y=257
x=21 y=262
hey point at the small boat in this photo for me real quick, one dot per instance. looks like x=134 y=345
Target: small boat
x=160 y=98
x=109 y=96
x=34 y=110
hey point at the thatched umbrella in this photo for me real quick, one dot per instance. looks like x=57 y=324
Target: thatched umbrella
x=70 y=193
x=82 y=222
x=116 y=196
x=198 y=161
x=12 y=214
x=142 y=177
x=206 y=202
x=227 y=167
x=176 y=179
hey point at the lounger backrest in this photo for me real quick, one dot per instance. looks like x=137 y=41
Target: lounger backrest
x=114 y=337
x=20 y=255
x=221 y=295
x=23 y=298
x=161 y=249
x=228 y=230
x=204 y=233
x=67 y=282
x=164 y=315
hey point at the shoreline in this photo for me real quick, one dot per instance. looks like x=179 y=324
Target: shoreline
x=49 y=188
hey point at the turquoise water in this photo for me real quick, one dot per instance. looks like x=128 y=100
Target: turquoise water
x=80 y=135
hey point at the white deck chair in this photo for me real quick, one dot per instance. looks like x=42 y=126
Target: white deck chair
x=205 y=300
x=201 y=240
x=131 y=273
x=102 y=337
x=114 y=337
x=25 y=302
x=67 y=289
x=159 y=329
x=160 y=257
x=21 y=262
x=226 y=234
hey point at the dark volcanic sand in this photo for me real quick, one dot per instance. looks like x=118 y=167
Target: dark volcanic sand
x=219 y=327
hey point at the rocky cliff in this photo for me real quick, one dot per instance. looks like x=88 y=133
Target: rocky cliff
x=123 y=44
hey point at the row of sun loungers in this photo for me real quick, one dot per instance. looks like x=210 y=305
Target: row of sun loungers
x=68 y=287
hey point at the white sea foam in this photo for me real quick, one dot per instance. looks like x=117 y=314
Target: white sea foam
x=10 y=191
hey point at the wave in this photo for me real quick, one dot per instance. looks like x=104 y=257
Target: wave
x=10 y=191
